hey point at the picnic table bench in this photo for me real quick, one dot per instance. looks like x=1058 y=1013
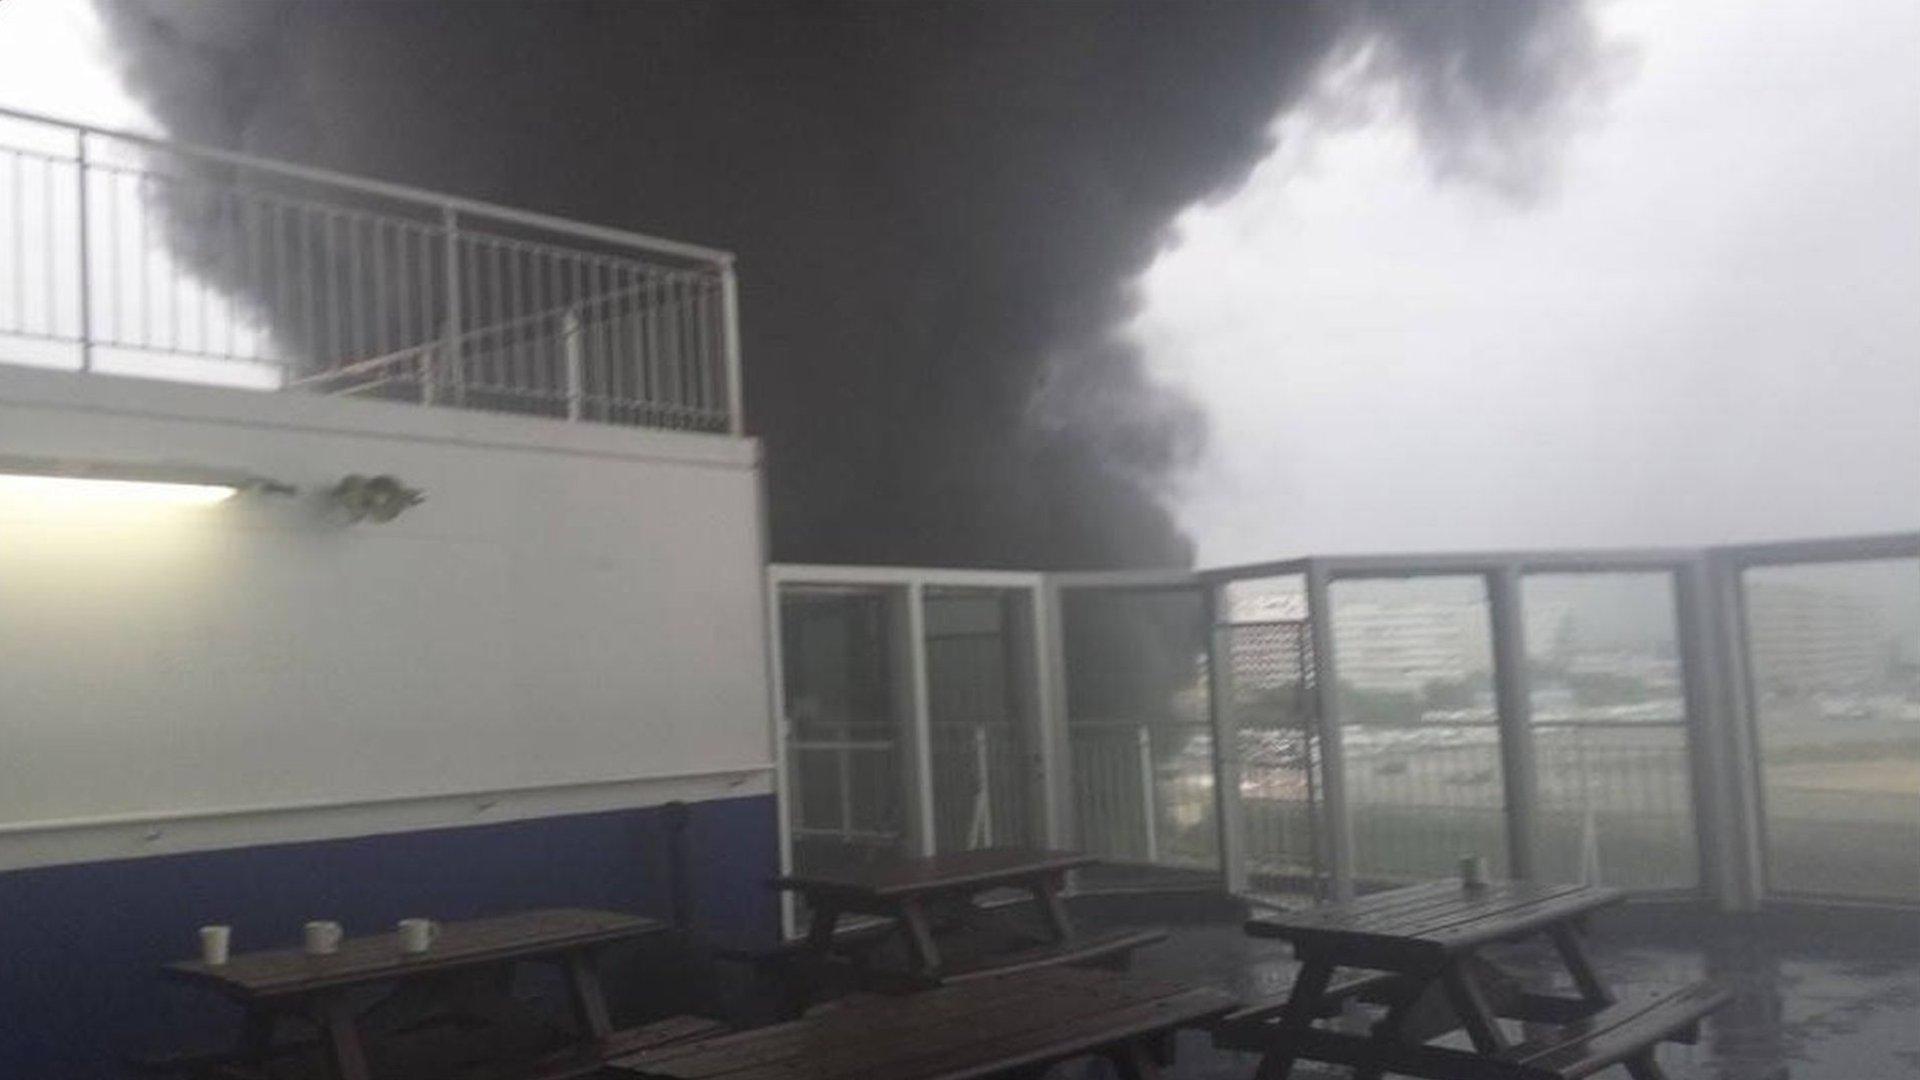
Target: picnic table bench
x=466 y=971
x=1018 y=1024
x=917 y=898
x=1424 y=946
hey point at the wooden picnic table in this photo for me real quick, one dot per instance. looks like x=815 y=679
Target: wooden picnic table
x=918 y=895
x=1424 y=944
x=279 y=983
x=1018 y=1023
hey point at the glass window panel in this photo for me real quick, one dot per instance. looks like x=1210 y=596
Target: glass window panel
x=1418 y=725
x=1609 y=730
x=1834 y=664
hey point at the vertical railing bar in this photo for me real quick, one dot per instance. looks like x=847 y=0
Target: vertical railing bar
x=710 y=368
x=337 y=347
x=656 y=376
x=229 y=260
x=83 y=256
x=642 y=406
x=473 y=301
x=689 y=353
x=544 y=352
x=666 y=349
x=382 y=340
x=46 y=197
x=592 y=365
x=613 y=410
x=201 y=322
x=523 y=324
x=603 y=335
x=112 y=180
x=607 y=334
x=633 y=286
x=576 y=335
x=169 y=285
x=403 y=308
x=302 y=219
x=249 y=271
x=277 y=262
x=359 y=315
x=503 y=378
x=1149 y=810
x=451 y=355
x=266 y=281
x=19 y=244
x=423 y=299
x=571 y=346
x=677 y=348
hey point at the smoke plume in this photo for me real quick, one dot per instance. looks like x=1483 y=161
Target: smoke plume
x=937 y=206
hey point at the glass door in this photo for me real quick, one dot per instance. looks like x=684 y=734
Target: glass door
x=978 y=718
x=846 y=767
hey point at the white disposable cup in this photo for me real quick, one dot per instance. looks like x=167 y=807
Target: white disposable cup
x=1473 y=871
x=215 y=944
x=323 y=937
x=416 y=935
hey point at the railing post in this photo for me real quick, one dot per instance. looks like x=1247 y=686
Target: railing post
x=1513 y=706
x=1149 y=812
x=575 y=356
x=86 y=276
x=923 y=824
x=730 y=345
x=1055 y=750
x=983 y=793
x=1719 y=733
x=450 y=352
x=1333 y=772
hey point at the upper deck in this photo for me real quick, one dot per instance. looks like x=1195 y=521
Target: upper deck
x=132 y=255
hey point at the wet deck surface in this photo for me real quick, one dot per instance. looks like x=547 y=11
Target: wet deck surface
x=1823 y=994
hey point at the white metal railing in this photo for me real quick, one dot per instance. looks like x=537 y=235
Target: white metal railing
x=124 y=253
x=1143 y=791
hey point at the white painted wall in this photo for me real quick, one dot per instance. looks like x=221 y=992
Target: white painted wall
x=575 y=606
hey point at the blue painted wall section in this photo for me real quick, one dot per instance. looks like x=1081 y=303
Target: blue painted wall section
x=80 y=946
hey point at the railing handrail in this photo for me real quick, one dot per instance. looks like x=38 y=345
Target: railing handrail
x=461 y=204
x=347 y=284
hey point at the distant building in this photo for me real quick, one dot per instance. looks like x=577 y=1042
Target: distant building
x=1403 y=646
x=1807 y=638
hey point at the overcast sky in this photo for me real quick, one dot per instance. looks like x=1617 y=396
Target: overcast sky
x=1707 y=329
x=53 y=60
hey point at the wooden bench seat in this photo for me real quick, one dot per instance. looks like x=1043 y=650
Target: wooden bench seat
x=1627 y=1029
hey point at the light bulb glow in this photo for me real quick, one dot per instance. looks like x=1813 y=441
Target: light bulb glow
x=78 y=491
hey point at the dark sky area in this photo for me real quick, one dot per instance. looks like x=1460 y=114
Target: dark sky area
x=937 y=207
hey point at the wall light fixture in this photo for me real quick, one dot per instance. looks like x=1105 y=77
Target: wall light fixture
x=68 y=481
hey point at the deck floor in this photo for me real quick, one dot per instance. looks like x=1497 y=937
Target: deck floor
x=1824 y=993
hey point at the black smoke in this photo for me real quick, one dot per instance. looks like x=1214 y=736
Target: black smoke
x=937 y=207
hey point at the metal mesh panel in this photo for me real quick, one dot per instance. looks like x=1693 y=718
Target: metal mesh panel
x=1272 y=676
